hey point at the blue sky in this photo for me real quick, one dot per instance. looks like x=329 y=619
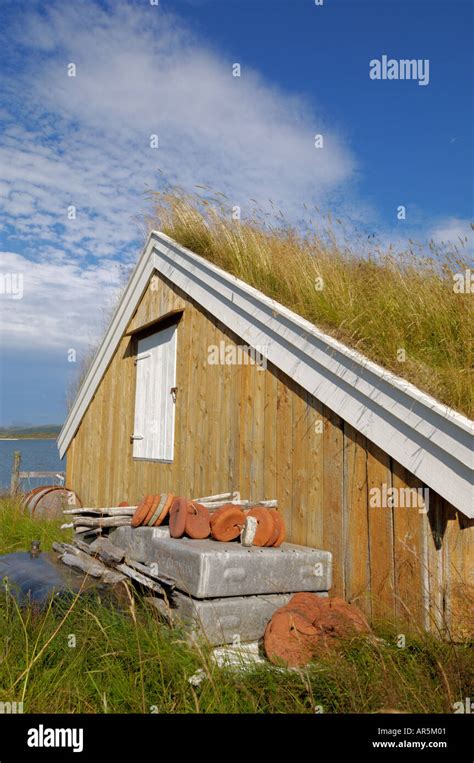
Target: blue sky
x=400 y=133
x=167 y=70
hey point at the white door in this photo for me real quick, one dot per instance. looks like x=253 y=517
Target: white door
x=153 y=436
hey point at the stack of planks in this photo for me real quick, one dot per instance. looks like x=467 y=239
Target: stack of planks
x=102 y=559
x=89 y=521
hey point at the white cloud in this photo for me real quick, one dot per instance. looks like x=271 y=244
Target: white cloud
x=139 y=73
x=61 y=305
x=455 y=231
x=84 y=141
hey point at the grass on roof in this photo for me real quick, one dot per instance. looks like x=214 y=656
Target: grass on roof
x=400 y=309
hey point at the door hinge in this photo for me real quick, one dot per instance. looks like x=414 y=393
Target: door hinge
x=142 y=357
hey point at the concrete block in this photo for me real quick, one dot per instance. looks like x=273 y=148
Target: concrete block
x=209 y=569
x=230 y=620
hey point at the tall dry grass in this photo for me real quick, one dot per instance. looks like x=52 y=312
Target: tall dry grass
x=399 y=309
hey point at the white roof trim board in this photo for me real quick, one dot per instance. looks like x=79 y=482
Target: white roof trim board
x=429 y=439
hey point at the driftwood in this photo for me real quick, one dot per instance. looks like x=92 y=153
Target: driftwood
x=140 y=578
x=105 y=549
x=216 y=501
x=146 y=570
x=90 y=567
x=214 y=505
x=101 y=522
x=61 y=548
x=68 y=548
x=82 y=546
x=79 y=530
x=74 y=557
x=162 y=607
x=82 y=524
x=90 y=558
x=126 y=511
x=228 y=497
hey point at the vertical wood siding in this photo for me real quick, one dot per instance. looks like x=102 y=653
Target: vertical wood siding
x=244 y=428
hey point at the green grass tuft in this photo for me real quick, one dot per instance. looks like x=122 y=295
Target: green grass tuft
x=18 y=529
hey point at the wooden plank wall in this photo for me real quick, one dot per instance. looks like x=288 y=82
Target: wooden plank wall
x=245 y=428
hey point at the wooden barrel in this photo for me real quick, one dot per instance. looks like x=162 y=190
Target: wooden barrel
x=49 y=501
x=27 y=498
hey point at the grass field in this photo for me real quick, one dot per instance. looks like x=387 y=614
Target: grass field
x=122 y=659
x=399 y=308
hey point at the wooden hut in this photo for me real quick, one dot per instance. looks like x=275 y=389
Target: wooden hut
x=202 y=384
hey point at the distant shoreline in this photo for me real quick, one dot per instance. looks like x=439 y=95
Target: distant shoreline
x=28 y=437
